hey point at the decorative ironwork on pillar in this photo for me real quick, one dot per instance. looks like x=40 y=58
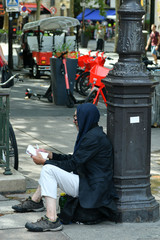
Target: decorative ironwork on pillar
x=129 y=119
x=130 y=42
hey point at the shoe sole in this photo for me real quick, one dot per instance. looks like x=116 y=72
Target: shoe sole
x=54 y=229
x=29 y=210
x=39 y=209
x=44 y=230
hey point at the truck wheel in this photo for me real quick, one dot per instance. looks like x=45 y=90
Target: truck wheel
x=35 y=71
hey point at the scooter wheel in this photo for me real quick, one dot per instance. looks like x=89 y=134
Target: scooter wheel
x=69 y=102
x=50 y=98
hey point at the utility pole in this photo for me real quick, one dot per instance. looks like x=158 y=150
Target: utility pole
x=10 y=49
x=83 y=13
x=10 y=7
x=152 y=13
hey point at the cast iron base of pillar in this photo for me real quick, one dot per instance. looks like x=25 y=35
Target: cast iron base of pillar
x=129 y=89
x=139 y=212
x=129 y=129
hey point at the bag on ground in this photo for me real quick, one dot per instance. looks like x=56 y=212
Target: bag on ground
x=73 y=212
x=6 y=74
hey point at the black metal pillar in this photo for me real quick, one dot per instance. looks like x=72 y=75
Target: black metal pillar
x=152 y=13
x=10 y=49
x=129 y=119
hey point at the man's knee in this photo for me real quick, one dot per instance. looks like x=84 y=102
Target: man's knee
x=48 y=169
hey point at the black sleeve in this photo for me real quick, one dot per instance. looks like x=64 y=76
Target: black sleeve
x=60 y=157
x=68 y=166
x=63 y=161
x=87 y=149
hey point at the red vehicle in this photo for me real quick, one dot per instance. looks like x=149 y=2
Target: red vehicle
x=97 y=73
x=42 y=38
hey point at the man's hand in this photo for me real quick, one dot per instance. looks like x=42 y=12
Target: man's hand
x=38 y=159
x=43 y=150
x=50 y=155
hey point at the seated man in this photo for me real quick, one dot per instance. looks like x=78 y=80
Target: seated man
x=85 y=175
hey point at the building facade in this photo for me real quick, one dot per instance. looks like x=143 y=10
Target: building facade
x=157 y=14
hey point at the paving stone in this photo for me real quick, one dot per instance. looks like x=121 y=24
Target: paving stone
x=6 y=206
x=2 y=197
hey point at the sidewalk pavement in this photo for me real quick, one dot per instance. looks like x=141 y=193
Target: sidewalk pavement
x=50 y=126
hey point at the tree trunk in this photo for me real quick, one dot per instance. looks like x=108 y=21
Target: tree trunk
x=5 y=23
x=71 y=13
x=38 y=9
x=71 y=8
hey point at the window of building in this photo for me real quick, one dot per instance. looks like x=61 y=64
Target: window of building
x=52 y=2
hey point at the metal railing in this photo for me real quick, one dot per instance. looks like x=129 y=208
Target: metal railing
x=4 y=131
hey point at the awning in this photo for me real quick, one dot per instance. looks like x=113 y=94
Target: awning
x=52 y=23
x=2 y=11
x=94 y=15
x=111 y=14
x=32 y=7
x=87 y=11
x=45 y=9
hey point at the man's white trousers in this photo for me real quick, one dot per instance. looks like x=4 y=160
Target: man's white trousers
x=52 y=177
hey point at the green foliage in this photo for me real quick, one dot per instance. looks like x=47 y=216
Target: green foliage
x=88 y=30
x=58 y=32
x=78 y=8
x=64 y=47
x=102 y=5
x=3 y=31
x=19 y=32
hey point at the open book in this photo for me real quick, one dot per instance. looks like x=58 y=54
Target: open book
x=32 y=151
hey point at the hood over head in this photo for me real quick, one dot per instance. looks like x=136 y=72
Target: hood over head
x=87 y=117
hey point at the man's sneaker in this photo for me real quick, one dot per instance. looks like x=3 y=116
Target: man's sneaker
x=44 y=224
x=29 y=206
